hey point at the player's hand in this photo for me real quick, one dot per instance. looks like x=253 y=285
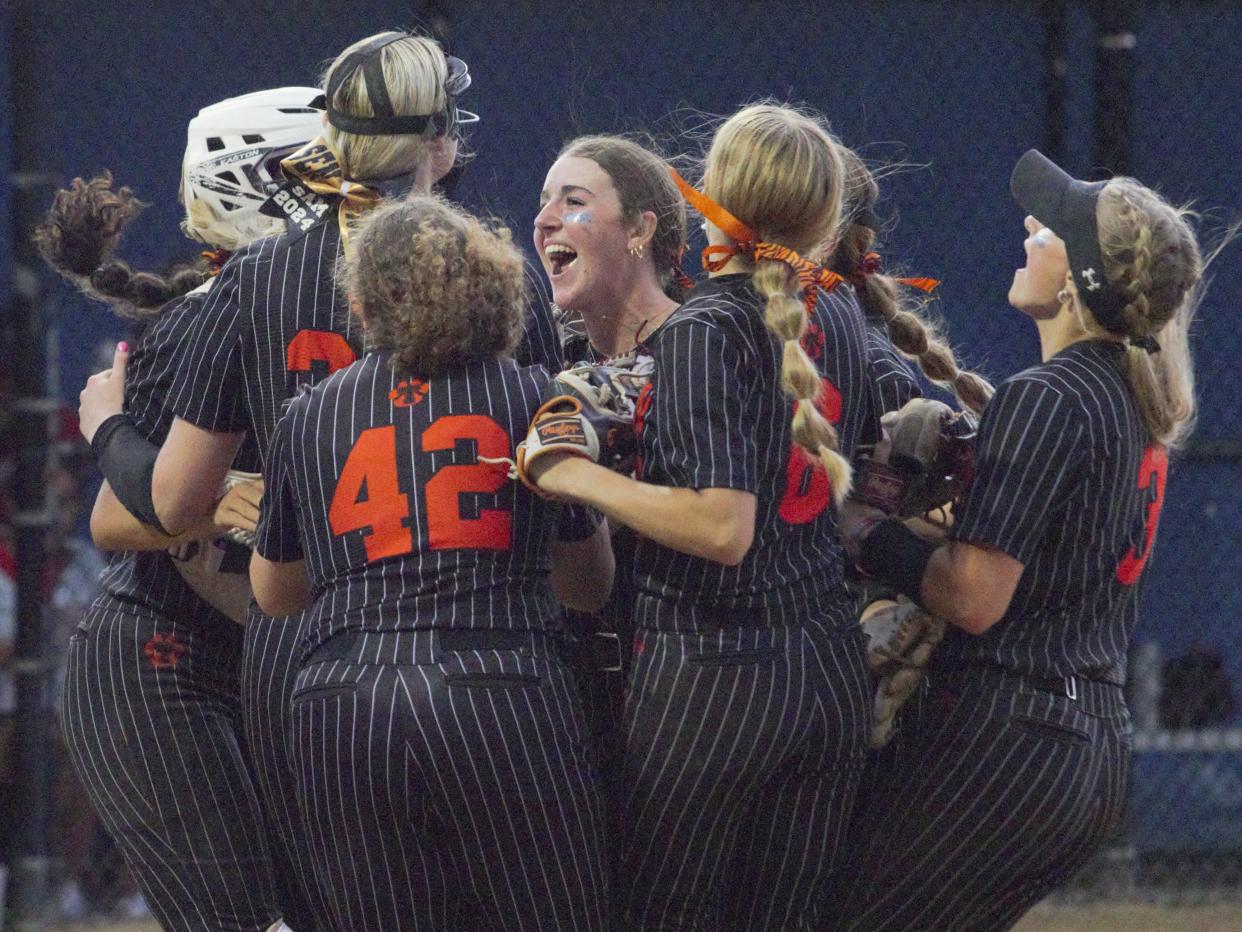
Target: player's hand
x=104 y=394
x=239 y=508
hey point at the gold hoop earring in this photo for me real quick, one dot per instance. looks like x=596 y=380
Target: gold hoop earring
x=636 y=251
x=1063 y=296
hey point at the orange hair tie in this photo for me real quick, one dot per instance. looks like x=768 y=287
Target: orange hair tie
x=871 y=264
x=215 y=260
x=810 y=275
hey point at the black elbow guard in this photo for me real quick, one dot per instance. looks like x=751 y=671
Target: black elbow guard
x=127 y=460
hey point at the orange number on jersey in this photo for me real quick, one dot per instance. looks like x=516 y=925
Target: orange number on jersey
x=371 y=470
x=1153 y=472
x=318 y=345
x=807 y=489
x=446 y=528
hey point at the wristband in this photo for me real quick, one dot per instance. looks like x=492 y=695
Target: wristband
x=127 y=460
x=894 y=554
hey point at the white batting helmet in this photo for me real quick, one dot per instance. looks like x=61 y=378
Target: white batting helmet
x=232 y=158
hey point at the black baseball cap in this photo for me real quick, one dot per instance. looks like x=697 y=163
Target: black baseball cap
x=1068 y=208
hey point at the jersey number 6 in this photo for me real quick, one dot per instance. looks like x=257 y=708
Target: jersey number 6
x=368 y=494
x=807 y=489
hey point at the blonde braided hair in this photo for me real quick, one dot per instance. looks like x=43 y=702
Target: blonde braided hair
x=778 y=170
x=1151 y=253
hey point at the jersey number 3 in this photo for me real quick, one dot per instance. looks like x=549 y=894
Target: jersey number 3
x=1153 y=472
x=807 y=489
x=368 y=494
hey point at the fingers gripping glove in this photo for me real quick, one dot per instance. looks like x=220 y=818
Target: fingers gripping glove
x=929 y=463
x=900 y=640
x=216 y=567
x=588 y=411
x=232 y=478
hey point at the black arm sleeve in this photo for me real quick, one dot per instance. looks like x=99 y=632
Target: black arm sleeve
x=127 y=460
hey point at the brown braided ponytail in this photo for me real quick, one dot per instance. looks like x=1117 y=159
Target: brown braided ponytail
x=779 y=171
x=79 y=235
x=881 y=295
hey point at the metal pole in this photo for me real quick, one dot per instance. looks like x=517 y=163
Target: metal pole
x=1056 y=60
x=1112 y=151
x=34 y=404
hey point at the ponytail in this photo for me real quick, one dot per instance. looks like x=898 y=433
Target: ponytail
x=879 y=296
x=1151 y=252
x=79 y=235
x=785 y=316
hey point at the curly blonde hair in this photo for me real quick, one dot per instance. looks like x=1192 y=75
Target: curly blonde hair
x=779 y=171
x=434 y=285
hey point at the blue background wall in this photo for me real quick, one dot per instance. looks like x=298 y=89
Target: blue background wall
x=955 y=89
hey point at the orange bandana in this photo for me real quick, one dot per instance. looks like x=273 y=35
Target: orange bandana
x=748 y=244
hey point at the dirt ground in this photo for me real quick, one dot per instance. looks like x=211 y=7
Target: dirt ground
x=1094 y=918
x=1133 y=917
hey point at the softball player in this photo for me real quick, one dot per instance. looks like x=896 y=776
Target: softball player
x=150 y=707
x=600 y=190
x=274 y=321
x=1011 y=775
x=746 y=710
x=442 y=760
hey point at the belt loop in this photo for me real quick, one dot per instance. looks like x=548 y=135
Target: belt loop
x=1071 y=687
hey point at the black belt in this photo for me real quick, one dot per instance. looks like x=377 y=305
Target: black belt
x=1095 y=697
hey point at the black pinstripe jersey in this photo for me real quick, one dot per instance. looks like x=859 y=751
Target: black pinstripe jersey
x=1066 y=482
x=541 y=340
x=149 y=580
x=374 y=480
x=275 y=320
x=893 y=382
x=714 y=416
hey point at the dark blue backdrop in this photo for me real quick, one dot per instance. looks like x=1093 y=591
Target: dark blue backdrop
x=956 y=88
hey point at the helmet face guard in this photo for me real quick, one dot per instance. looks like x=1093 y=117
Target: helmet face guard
x=386 y=122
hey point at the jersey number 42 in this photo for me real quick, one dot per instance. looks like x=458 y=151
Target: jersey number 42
x=368 y=493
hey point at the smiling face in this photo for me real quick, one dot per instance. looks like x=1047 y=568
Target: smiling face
x=1035 y=285
x=580 y=236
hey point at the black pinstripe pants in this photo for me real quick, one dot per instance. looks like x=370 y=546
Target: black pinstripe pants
x=152 y=725
x=448 y=785
x=744 y=748
x=998 y=793
x=270 y=656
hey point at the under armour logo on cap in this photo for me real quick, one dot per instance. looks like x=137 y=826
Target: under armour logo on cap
x=1092 y=284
